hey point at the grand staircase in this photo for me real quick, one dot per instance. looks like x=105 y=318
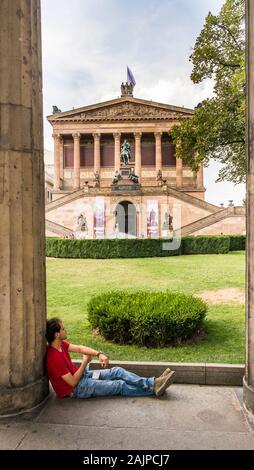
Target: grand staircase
x=67 y=198
x=216 y=214
x=194 y=201
x=64 y=200
x=204 y=222
x=58 y=229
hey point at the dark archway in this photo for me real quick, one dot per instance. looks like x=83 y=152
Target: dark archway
x=126 y=217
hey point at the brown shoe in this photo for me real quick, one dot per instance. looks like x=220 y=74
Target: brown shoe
x=162 y=383
x=166 y=372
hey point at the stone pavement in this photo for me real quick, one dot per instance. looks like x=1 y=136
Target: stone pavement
x=186 y=417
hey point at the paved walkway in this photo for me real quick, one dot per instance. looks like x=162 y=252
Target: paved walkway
x=186 y=417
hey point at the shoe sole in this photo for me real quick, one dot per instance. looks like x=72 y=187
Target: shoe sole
x=166 y=384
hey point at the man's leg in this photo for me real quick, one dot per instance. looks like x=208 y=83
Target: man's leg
x=118 y=373
x=88 y=387
x=159 y=385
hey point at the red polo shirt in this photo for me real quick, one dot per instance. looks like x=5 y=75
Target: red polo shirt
x=58 y=363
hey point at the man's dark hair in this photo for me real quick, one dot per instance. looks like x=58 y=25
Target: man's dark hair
x=53 y=326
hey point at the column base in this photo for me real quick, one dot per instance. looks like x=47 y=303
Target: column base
x=17 y=399
x=248 y=396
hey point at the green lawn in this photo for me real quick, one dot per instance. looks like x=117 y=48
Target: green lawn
x=71 y=283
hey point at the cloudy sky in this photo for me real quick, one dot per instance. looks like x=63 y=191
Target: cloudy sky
x=87 y=45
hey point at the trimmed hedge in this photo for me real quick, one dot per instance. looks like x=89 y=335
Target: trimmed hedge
x=237 y=242
x=201 y=244
x=106 y=248
x=151 y=319
x=138 y=248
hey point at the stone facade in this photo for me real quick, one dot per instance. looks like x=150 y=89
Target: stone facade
x=87 y=150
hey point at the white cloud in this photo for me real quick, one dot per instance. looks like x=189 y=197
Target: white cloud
x=87 y=45
x=179 y=92
x=218 y=193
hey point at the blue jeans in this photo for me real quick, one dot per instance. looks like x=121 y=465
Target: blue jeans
x=115 y=381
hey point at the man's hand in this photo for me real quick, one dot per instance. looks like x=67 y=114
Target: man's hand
x=86 y=359
x=103 y=360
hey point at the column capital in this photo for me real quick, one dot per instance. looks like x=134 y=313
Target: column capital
x=76 y=136
x=117 y=135
x=56 y=136
x=137 y=135
x=158 y=135
x=96 y=135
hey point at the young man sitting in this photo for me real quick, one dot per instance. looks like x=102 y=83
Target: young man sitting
x=68 y=380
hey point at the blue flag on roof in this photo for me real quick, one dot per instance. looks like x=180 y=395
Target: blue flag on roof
x=130 y=77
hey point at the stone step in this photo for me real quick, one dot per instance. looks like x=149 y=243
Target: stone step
x=194 y=201
x=57 y=228
x=204 y=222
x=66 y=199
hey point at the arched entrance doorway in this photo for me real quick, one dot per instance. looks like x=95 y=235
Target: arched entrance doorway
x=126 y=218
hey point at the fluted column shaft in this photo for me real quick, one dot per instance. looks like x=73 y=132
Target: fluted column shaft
x=22 y=229
x=138 y=165
x=61 y=160
x=158 y=155
x=97 y=156
x=56 y=138
x=200 y=176
x=248 y=381
x=117 y=137
x=179 y=173
x=76 y=171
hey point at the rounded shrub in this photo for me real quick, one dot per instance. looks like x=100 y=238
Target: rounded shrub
x=154 y=319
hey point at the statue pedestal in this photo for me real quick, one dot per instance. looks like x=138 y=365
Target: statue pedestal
x=125 y=183
x=166 y=233
x=81 y=235
x=125 y=171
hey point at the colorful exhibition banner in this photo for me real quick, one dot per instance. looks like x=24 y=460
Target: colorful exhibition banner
x=152 y=219
x=99 y=217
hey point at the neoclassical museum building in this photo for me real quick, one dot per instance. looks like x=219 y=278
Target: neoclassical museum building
x=94 y=193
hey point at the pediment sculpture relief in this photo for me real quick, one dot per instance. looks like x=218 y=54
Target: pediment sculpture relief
x=127 y=111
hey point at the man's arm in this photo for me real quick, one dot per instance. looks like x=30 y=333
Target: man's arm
x=89 y=352
x=72 y=380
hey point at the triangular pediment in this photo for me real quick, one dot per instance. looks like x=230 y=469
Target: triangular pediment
x=123 y=109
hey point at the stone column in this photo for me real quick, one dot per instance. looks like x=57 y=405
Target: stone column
x=200 y=177
x=76 y=172
x=56 y=138
x=248 y=382
x=179 y=173
x=117 y=137
x=97 y=156
x=138 y=164
x=22 y=231
x=158 y=155
x=61 y=160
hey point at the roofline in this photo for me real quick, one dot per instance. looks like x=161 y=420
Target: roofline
x=53 y=117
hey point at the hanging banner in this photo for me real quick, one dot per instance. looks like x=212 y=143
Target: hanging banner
x=99 y=217
x=152 y=219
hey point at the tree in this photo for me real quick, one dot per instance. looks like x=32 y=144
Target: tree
x=217 y=128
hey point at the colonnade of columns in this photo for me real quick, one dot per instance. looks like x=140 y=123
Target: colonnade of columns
x=59 y=158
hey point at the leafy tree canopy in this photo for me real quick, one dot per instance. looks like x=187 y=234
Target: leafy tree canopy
x=217 y=128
